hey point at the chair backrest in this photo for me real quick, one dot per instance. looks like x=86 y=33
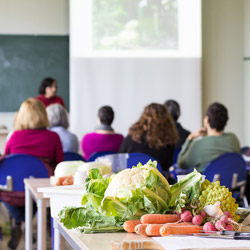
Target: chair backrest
x=19 y=167
x=226 y=166
x=72 y=156
x=95 y=155
x=176 y=153
x=135 y=158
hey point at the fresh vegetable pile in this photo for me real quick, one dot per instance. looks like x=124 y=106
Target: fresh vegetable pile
x=140 y=200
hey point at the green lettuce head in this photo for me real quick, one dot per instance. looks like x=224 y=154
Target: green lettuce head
x=130 y=193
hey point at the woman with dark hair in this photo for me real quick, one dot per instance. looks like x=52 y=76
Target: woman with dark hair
x=47 y=91
x=153 y=134
x=175 y=111
x=103 y=138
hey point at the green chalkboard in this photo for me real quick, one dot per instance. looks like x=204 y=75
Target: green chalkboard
x=25 y=61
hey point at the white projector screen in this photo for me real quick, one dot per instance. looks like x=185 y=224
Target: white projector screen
x=128 y=56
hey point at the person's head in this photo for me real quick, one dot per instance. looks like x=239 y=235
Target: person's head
x=31 y=115
x=155 y=126
x=48 y=87
x=57 y=116
x=106 y=115
x=173 y=109
x=216 y=117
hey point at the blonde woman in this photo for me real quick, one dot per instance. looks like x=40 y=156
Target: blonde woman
x=31 y=137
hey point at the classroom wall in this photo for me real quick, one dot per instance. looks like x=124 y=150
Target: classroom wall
x=29 y=17
x=222 y=63
x=47 y=17
x=246 y=88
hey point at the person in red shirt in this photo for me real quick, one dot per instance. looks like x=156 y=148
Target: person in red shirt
x=32 y=137
x=47 y=90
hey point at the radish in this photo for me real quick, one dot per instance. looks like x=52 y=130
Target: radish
x=220 y=225
x=228 y=214
x=197 y=220
x=186 y=216
x=224 y=218
x=203 y=213
x=229 y=227
x=209 y=226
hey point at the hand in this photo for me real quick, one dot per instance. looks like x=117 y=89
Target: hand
x=200 y=132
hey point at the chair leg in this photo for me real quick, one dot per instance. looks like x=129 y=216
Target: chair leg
x=245 y=202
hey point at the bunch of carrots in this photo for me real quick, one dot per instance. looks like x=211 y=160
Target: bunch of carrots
x=160 y=225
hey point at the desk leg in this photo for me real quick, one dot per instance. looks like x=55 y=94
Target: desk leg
x=41 y=224
x=58 y=239
x=28 y=219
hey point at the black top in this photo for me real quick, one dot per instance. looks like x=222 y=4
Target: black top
x=183 y=134
x=163 y=155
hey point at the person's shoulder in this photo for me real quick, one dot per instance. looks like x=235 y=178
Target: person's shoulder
x=230 y=135
x=119 y=135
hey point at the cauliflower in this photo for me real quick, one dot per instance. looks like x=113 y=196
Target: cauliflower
x=128 y=178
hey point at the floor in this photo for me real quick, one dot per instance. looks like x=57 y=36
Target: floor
x=21 y=246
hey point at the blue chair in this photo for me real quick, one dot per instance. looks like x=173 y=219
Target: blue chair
x=243 y=150
x=135 y=158
x=16 y=167
x=230 y=170
x=72 y=156
x=95 y=155
x=176 y=153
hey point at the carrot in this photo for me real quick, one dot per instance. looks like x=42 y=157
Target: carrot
x=174 y=229
x=159 y=218
x=141 y=229
x=153 y=229
x=66 y=180
x=129 y=225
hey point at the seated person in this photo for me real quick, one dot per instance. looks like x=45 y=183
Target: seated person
x=31 y=137
x=174 y=110
x=59 y=123
x=153 y=134
x=210 y=142
x=47 y=91
x=103 y=138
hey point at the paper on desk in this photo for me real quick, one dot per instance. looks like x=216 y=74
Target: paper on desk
x=187 y=242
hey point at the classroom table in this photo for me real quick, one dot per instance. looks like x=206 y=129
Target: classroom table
x=106 y=241
x=31 y=186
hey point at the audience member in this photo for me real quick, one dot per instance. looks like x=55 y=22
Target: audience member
x=47 y=91
x=210 y=142
x=174 y=110
x=153 y=134
x=31 y=137
x=103 y=138
x=59 y=123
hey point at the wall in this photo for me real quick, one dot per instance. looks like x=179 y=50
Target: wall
x=246 y=72
x=222 y=66
x=29 y=17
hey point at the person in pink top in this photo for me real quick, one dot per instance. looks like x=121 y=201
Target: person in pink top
x=47 y=90
x=103 y=138
x=32 y=137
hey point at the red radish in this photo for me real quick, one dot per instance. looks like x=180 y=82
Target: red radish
x=220 y=225
x=186 y=216
x=229 y=227
x=203 y=213
x=209 y=226
x=224 y=218
x=228 y=214
x=197 y=220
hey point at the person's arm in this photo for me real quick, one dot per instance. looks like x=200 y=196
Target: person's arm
x=189 y=155
x=8 y=144
x=124 y=145
x=59 y=150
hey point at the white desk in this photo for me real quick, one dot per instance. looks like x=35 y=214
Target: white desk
x=108 y=241
x=31 y=186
